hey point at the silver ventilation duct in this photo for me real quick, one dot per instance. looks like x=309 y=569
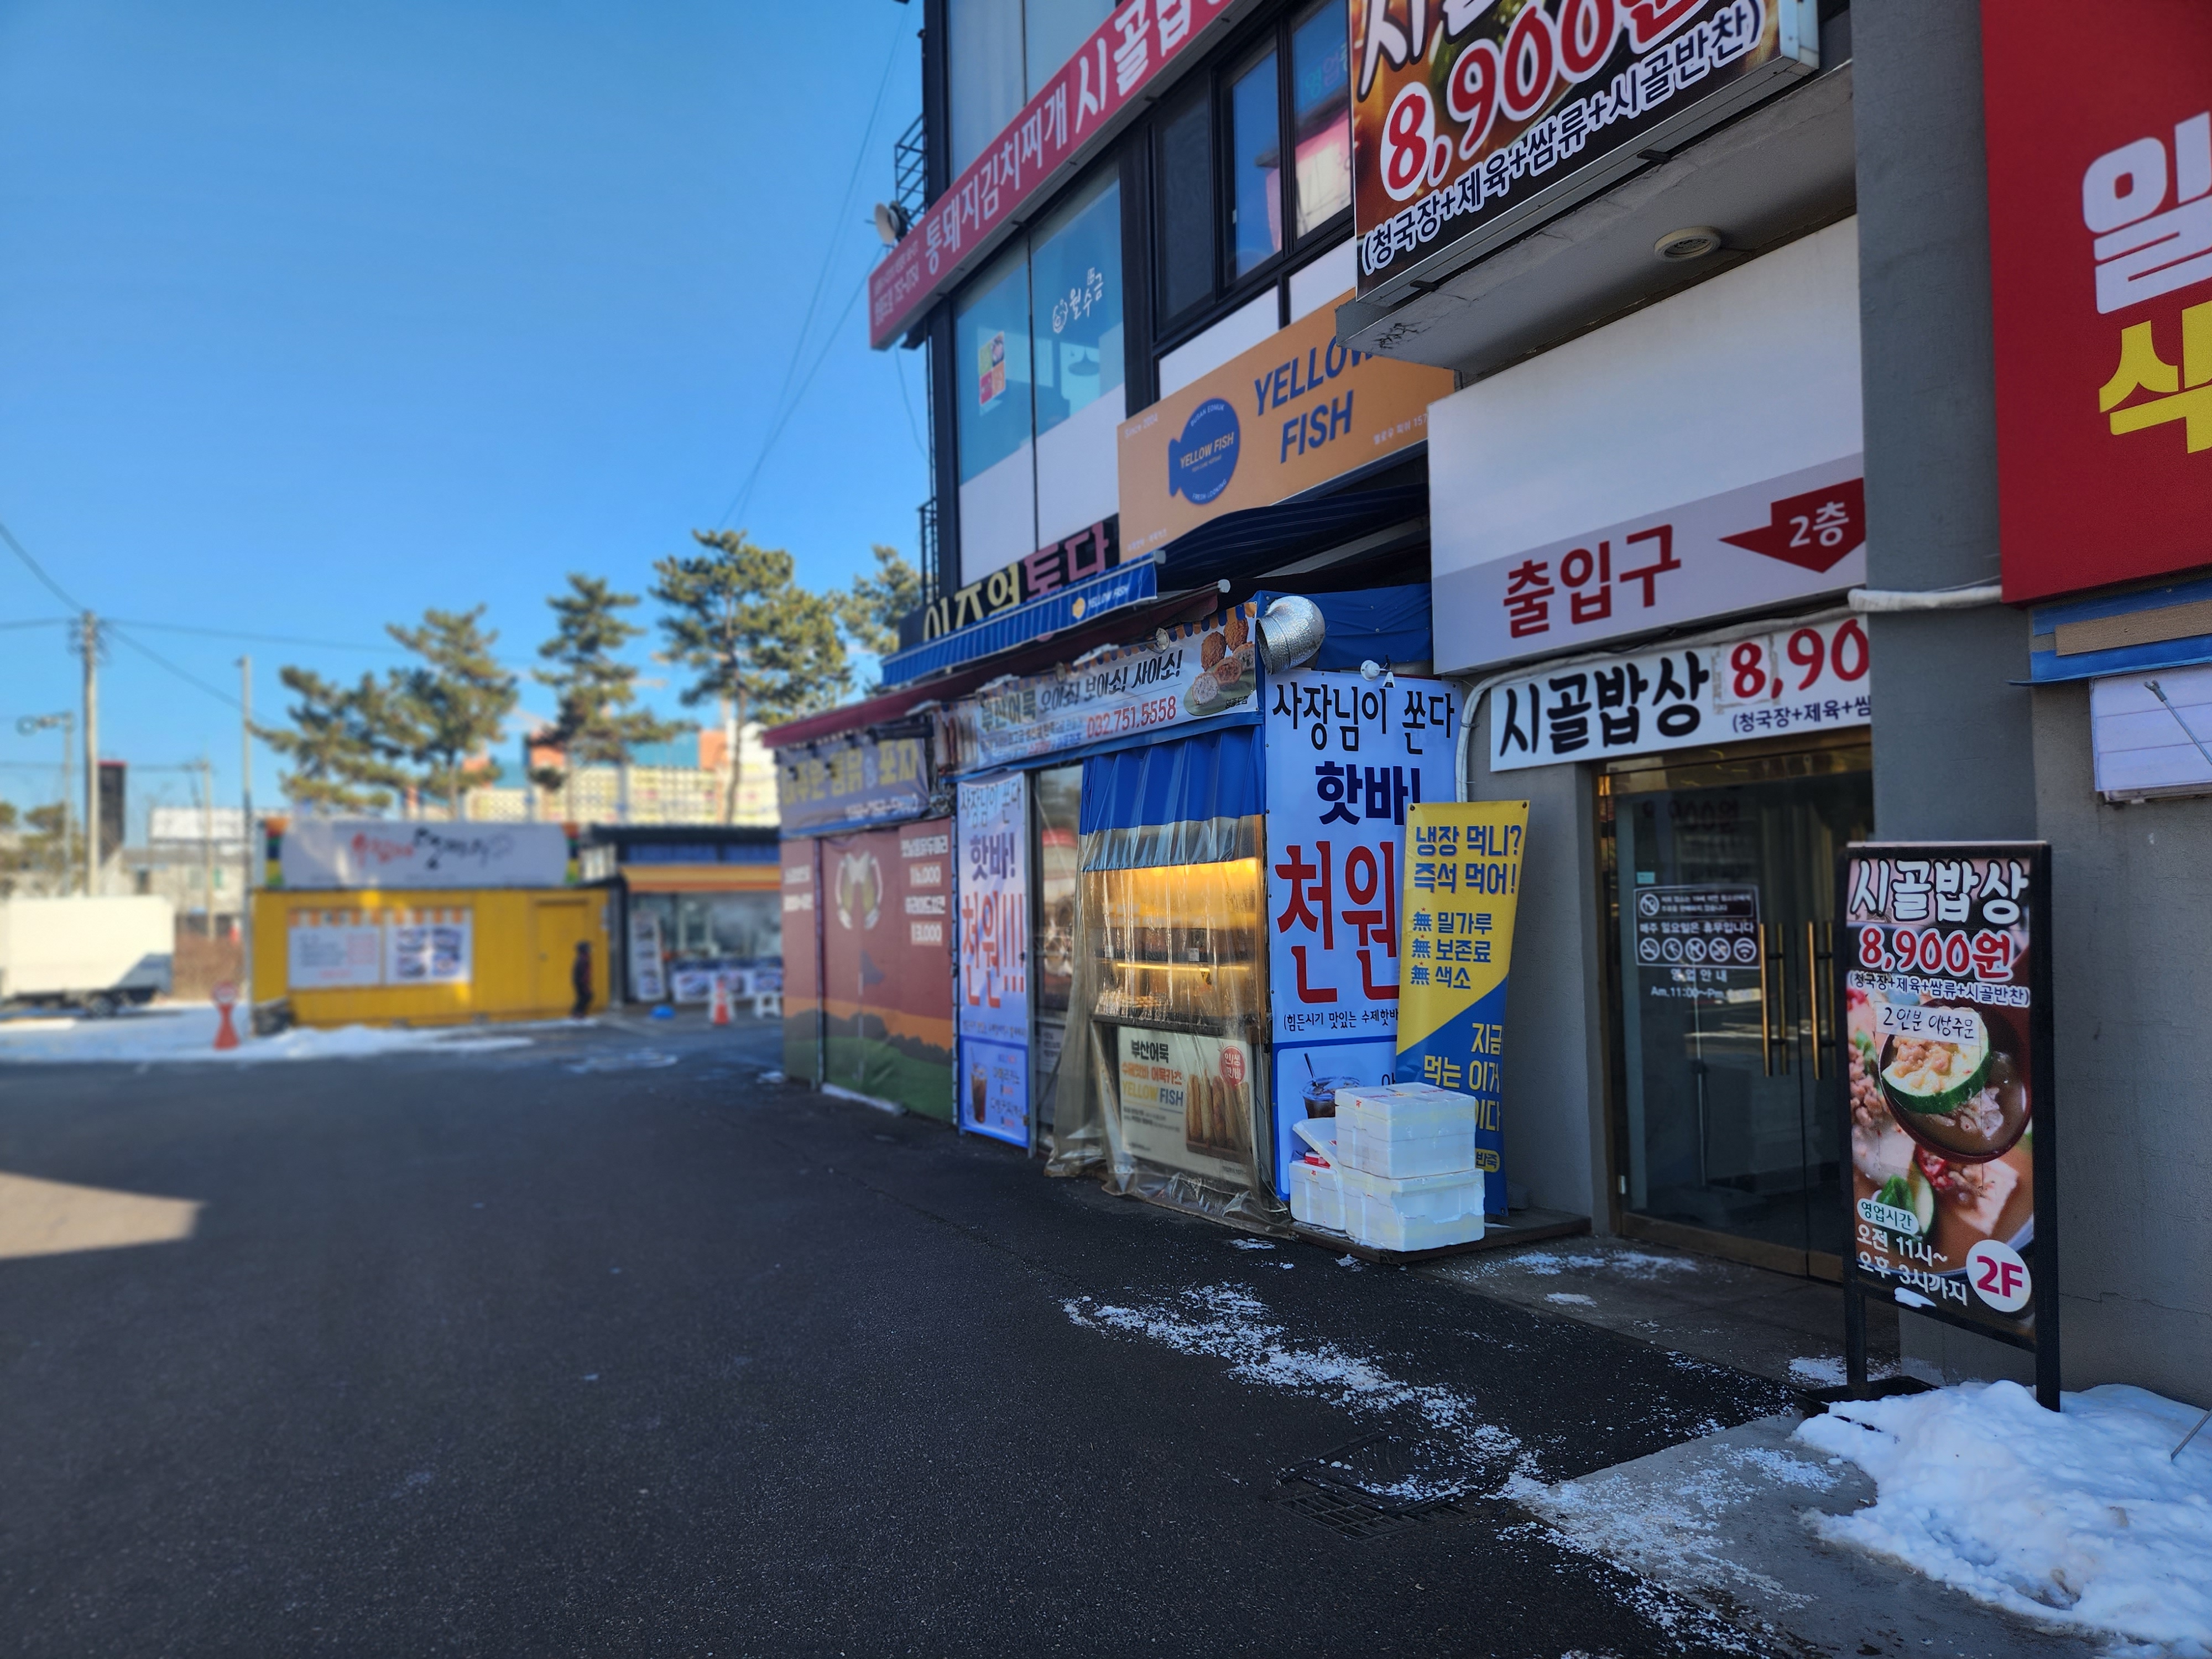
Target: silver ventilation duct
x=1290 y=634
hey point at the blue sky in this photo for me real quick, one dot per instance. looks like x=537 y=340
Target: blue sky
x=313 y=316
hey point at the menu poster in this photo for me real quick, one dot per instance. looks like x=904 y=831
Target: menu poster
x=992 y=829
x=648 y=978
x=1187 y=1101
x=1943 y=1011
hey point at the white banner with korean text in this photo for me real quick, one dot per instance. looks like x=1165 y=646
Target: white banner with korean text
x=1346 y=757
x=1788 y=539
x=1807 y=678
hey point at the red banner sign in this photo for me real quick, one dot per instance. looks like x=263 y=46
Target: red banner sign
x=1062 y=122
x=2100 y=256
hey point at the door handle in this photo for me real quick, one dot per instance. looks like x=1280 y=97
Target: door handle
x=1821 y=988
x=1773 y=999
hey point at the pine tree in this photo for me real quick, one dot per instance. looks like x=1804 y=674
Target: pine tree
x=872 y=610
x=748 y=634
x=452 y=706
x=595 y=725
x=340 y=744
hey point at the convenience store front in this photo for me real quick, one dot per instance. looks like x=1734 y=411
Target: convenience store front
x=1649 y=599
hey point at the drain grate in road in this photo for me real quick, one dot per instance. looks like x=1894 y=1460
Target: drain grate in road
x=1369 y=1488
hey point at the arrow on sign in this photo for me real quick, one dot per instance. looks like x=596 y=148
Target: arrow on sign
x=1814 y=531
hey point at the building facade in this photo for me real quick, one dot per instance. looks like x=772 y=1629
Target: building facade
x=1693 y=361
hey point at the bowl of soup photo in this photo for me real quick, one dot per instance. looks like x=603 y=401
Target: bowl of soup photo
x=1955 y=1086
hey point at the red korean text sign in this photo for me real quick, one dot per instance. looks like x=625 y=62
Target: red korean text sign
x=1066 y=120
x=1462 y=113
x=1943 y=1007
x=2099 y=129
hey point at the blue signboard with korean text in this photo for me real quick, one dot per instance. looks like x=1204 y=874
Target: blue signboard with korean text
x=1346 y=758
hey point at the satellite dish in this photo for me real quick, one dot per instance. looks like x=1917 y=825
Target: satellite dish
x=890 y=223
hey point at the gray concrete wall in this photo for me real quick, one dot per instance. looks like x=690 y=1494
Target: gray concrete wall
x=2132 y=978
x=1553 y=1074
x=1962 y=752
x=1954 y=742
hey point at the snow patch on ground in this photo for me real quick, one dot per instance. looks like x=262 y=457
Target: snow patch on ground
x=1570 y=1298
x=1227 y=1322
x=1827 y=1371
x=165 y=1035
x=1671 y=1529
x=2077 y=1517
x=1634 y=1264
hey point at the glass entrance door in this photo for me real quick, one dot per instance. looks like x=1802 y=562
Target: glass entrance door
x=1722 y=877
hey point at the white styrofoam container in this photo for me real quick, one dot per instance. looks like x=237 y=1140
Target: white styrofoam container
x=1406 y=1129
x=1420 y=1212
x=1316 y=1197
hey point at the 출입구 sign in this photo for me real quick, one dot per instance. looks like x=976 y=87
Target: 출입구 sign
x=1811 y=678
x=2099 y=136
x=1471 y=122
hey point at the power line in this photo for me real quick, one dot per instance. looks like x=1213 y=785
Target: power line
x=39 y=571
x=263 y=639
x=157 y=658
x=745 y=494
x=837 y=228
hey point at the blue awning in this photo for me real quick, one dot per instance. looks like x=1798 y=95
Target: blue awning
x=1078 y=602
x=1263 y=539
x=1211 y=775
x=1386 y=625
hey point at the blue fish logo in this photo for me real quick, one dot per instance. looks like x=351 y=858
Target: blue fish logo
x=1202 y=461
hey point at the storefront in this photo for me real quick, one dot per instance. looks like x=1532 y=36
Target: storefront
x=1691 y=793
x=865 y=884
x=375 y=921
x=699 y=902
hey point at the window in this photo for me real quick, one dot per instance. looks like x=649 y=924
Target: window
x=1001 y=53
x=984 y=46
x=991 y=386
x=1186 y=192
x=1230 y=205
x=1037 y=348
x=1055 y=31
x=1321 y=116
x=1255 y=163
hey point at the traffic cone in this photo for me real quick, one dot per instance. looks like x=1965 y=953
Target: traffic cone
x=721 y=1016
x=226 y=1035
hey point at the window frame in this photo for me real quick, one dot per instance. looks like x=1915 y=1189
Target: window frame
x=1211 y=83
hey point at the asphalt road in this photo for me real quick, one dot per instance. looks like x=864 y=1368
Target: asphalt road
x=492 y=1354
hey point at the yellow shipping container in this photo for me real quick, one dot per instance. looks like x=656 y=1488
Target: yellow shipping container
x=438 y=958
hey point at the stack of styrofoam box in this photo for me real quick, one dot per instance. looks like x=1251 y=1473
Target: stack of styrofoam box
x=1316 y=1197
x=1405 y=1166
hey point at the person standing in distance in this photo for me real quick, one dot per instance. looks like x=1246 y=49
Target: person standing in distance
x=579 y=975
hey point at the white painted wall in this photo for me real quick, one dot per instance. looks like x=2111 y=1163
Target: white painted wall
x=1240 y=330
x=1077 y=479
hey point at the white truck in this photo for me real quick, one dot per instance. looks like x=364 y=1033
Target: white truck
x=99 y=954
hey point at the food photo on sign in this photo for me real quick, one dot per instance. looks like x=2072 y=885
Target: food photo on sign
x=1945 y=1032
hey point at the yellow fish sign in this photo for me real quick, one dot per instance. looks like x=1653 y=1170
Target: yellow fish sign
x=1462 y=888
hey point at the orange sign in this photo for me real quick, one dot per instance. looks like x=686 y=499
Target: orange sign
x=1295 y=411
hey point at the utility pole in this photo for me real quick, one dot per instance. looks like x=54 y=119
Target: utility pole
x=245 y=875
x=207 y=849
x=91 y=644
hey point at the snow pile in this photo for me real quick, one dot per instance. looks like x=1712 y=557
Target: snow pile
x=1228 y=1323
x=1829 y=1370
x=2077 y=1518
x=187 y=1033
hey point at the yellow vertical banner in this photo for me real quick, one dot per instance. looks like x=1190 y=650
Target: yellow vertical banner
x=1462 y=888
